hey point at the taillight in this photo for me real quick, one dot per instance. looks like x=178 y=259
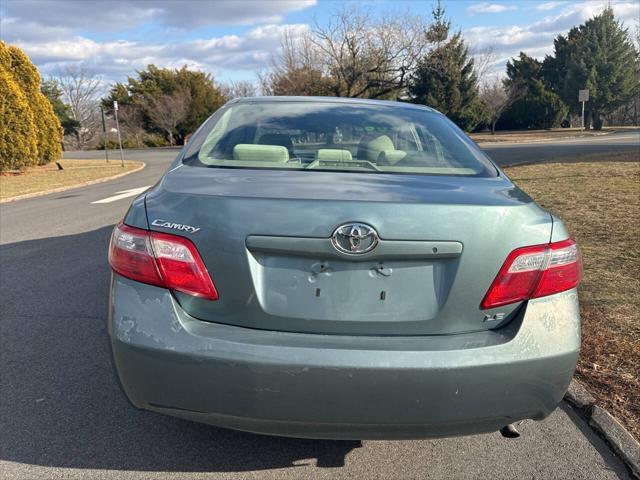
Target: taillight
x=181 y=267
x=536 y=271
x=160 y=259
x=130 y=255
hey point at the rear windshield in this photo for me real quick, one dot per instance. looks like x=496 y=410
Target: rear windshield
x=335 y=137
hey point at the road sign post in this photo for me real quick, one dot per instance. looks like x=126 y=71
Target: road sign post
x=115 y=111
x=583 y=96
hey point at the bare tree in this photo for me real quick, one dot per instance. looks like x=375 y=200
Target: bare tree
x=81 y=90
x=354 y=55
x=298 y=69
x=239 y=89
x=299 y=50
x=167 y=111
x=497 y=99
x=368 y=57
x=132 y=124
x=483 y=59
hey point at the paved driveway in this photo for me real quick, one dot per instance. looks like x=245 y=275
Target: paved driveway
x=62 y=414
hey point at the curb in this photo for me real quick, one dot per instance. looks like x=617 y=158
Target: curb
x=620 y=440
x=71 y=187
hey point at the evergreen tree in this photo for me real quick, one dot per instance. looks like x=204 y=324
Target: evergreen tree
x=445 y=79
x=18 y=146
x=599 y=55
x=48 y=128
x=535 y=106
x=154 y=83
x=439 y=28
x=51 y=90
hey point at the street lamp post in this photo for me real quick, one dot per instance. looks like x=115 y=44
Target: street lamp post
x=115 y=110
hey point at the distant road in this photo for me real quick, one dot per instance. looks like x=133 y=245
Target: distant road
x=157 y=159
x=533 y=152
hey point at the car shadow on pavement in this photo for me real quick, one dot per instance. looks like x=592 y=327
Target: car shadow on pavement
x=60 y=402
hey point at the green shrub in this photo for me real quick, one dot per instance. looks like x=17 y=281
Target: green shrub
x=114 y=145
x=154 y=140
x=48 y=129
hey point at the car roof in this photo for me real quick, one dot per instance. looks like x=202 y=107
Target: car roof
x=343 y=100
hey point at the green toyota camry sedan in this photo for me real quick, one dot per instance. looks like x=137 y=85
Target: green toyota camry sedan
x=340 y=268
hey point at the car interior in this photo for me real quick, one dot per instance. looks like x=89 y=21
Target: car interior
x=328 y=142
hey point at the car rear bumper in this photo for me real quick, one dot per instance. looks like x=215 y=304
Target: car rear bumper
x=329 y=386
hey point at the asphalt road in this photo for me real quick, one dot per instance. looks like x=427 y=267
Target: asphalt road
x=534 y=152
x=62 y=414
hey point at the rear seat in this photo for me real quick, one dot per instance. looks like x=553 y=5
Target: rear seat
x=371 y=146
x=391 y=157
x=260 y=153
x=333 y=154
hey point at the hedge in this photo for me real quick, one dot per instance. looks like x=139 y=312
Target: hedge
x=18 y=147
x=30 y=132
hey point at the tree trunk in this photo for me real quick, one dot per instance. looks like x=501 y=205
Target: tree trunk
x=493 y=127
x=587 y=119
x=598 y=121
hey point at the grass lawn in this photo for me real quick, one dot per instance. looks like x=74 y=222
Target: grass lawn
x=600 y=204
x=48 y=177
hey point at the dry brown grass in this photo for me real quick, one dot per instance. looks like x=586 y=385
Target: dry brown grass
x=600 y=204
x=48 y=177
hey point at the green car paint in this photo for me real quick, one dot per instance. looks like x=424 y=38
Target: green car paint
x=309 y=340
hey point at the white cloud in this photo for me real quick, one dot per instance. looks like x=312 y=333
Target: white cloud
x=52 y=43
x=544 y=7
x=114 y=16
x=126 y=35
x=13 y=29
x=115 y=60
x=485 y=7
x=537 y=38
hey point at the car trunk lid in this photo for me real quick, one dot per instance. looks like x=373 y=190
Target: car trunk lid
x=266 y=239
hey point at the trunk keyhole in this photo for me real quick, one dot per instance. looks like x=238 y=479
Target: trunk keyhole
x=382 y=270
x=321 y=268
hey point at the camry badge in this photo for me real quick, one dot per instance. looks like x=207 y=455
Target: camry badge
x=354 y=238
x=174 y=226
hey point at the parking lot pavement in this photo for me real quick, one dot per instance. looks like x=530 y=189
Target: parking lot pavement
x=62 y=414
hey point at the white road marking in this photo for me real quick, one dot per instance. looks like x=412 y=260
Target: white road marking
x=123 y=194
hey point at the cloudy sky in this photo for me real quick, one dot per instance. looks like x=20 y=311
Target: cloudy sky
x=235 y=39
